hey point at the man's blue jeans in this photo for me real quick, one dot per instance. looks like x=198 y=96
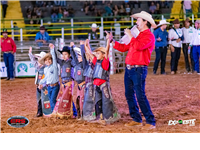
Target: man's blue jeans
x=196 y=55
x=134 y=80
x=9 y=60
x=53 y=92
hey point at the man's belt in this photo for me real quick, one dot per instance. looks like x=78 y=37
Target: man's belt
x=8 y=52
x=134 y=66
x=52 y=84
x=187 y=44
x=196 y=45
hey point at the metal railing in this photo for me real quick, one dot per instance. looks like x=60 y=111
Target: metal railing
x=72 y=27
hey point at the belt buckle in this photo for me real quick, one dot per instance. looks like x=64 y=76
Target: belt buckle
x=128 y=67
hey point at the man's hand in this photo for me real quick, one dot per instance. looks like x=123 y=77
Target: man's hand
x=30 y=49
x=44 y=41
x=51 y=46
x=159 y=39
x=172 y=48
x=189 y=47
x=128 y=32
x=178 y=40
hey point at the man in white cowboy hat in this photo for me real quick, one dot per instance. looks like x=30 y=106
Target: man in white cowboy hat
x=137 y=60
x=161 y=37
x=93 y=35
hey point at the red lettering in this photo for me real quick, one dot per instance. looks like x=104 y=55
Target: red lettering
x=12 y=121
x=18 y=120
x=22 y=120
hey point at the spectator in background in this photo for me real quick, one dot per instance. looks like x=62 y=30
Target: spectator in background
x=108 y=10
x=65 y=13
x=16 y=31
x=34 y=18
x=158 y=11
x=93 y=35
x=54 y=16
x=86 y=7
x=161 y=37
x=71 y=11
x=92 y=7
x=4 y=6
x=152 y=8
x=42 y=37
x=39 y=13
x=188 y=8
x=28 y=13
x=115 y=10
x=121 y=10
x=60 y=15
x=128 y=10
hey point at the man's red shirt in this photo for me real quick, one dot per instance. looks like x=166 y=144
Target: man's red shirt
x=139 y=49
x=105 y=66
x=8 y=45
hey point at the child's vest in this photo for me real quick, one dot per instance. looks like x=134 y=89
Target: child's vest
x=88 y=72
x=99 y=72
x=78 y=73
x=39 y=75
x=66 y=70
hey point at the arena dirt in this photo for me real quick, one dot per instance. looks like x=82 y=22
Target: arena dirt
x=172 y=97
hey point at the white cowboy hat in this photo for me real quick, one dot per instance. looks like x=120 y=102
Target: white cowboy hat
x=163 y=22
x=146 y=16
x=94 y=25
x=40 y=55
x=77 y=50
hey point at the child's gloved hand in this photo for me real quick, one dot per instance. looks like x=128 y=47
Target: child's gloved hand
x=40 y=86
x=71 y=44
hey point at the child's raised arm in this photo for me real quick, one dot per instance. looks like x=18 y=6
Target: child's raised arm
x=88 y=49
x=107 y=45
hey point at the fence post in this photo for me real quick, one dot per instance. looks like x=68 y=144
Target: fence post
x=12 y=29
x=162 y=17
x=72 y=30
x=102 y=22
x=41 y=22
x=111 y=59
x=193 y=20
x=132 y=21
x=21 y=36
x=62 y=33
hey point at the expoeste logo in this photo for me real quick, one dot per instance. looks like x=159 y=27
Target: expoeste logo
x=22 y=67
x=191 y=122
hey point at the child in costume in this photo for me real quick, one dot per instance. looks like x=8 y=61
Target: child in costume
x=89 y=104
x=105 y=109
x=80 y=64
x=41 y=94
x=65 y=102
x=51 y=76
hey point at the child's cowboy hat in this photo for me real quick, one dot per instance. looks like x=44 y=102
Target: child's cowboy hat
x=40 y=55
x=162 y=22
x=94 y=25
x=42 y=60
x=65 y=49
x=102 y=49
x=146 y=16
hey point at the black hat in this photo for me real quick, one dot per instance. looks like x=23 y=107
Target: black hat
x=4 y=31
x=65 y=49
x=42 y=28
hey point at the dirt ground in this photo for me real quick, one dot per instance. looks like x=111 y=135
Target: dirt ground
x=172 y=97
